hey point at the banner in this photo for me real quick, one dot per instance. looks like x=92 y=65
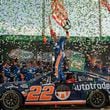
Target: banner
x=77 y=62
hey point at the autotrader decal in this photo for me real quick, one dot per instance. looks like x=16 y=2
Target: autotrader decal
x=89 y=86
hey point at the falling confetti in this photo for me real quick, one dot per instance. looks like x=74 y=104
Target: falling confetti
x=23 y=17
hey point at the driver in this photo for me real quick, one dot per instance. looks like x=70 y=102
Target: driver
x=59 y=54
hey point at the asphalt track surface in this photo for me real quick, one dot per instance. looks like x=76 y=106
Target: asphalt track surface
x=62 y=108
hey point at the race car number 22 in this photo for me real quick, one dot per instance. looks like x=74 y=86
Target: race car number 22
x=39 y=93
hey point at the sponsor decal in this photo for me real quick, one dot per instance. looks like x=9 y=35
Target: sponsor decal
x=62 y=92
x=24 y=86
x=10 y=86
x=79 y=87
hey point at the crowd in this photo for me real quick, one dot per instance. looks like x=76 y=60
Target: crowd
x=92 y=64
x=15 y=71
x=25 y=71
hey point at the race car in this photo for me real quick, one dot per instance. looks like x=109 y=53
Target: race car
x=78 y=89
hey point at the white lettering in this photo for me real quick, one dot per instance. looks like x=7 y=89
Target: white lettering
x=91 y=86
x=87 y=87
x=99 y=86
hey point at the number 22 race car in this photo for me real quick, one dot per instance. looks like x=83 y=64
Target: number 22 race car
x=79 y=89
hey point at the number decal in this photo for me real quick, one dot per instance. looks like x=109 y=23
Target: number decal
x=34 y=93
x=47 y=93
x=38 y=93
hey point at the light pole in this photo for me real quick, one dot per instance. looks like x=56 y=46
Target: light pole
x=100 y=20
x=43 y=17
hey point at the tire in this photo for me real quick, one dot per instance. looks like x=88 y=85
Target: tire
x=97 y=99
x=11 y=100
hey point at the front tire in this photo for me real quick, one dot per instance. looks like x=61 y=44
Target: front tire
x=97 y=99
x=11 y=100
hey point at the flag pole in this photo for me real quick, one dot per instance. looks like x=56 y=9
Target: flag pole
x=100 y=20
x=43 y=18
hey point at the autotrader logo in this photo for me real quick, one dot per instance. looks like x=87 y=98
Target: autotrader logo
x=89 y=86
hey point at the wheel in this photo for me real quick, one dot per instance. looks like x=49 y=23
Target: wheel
x=97 y=99
x=11 y=100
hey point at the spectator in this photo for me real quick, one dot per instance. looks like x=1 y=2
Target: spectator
x=1 y=73
x=6 y=71
x=15 y=70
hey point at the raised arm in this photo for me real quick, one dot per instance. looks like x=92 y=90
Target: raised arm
x=52 y=32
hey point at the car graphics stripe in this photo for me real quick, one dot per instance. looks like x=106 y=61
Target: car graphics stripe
x=76 y=102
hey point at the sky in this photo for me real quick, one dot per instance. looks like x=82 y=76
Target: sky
x=24 y=17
